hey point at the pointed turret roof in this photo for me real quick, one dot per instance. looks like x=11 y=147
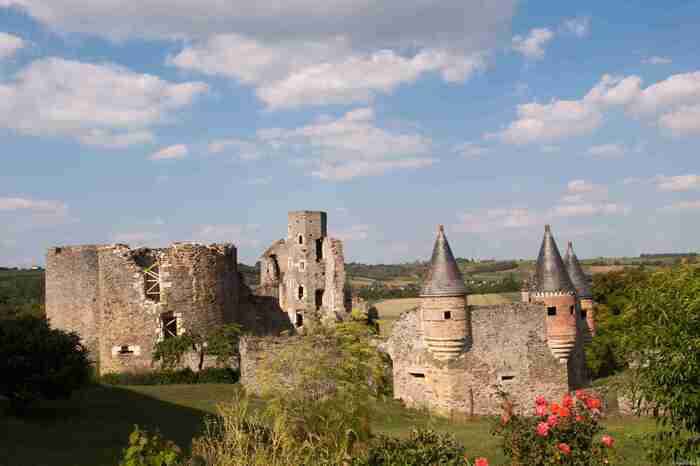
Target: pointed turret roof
x=550 y=273
x=444 y=277
x=579 y=279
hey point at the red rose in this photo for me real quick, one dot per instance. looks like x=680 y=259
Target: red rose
x=540 y=400
x=554 y=408
x=564 y=448
x=540 y=410
x=481 y=462
x=579 y=418
x=543 y=429
x=568 y=401
x=593 y=403
x=564 y=412
x=581 y=395
x=607 y=441
x=552 y=420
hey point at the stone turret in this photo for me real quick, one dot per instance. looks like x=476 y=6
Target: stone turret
x=445 y=316
x=583 y=290
x=553 y=288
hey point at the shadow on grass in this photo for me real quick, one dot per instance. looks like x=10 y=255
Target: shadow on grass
x=92 y=428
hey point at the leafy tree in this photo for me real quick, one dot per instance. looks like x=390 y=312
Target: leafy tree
x=220 y=342
x=38 y=362
x=664 y=342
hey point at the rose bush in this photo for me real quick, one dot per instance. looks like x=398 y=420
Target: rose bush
x=557 y=433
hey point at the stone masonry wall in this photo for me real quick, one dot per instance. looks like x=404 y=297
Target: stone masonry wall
x=256 y=355
x=509 y=351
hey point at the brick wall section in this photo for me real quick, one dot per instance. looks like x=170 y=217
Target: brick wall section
x=509 y=349
x=72 y=292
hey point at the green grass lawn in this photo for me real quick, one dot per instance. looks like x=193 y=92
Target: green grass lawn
x=93 y=427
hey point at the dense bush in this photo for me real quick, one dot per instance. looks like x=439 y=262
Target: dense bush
x=182 y=376
x=21 y=293
x=556 y=434
x=220 y=342
x=146 y=449
x=38 y=362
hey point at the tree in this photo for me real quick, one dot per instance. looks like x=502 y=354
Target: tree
x=664 y=316
x=220 y=342
x=38 y=362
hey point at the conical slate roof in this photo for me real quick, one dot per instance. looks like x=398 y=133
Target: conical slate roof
x=576 y=274
x=550 y=273
x=444 y=277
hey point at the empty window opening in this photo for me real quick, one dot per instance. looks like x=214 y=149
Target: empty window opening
x=417 y=375
x=584 y=313
x=447 y=315
x=571 y=310
x=319 y=299
x=125 y=350
x=319 y=249
x=302 y=265
x=299 y=320
x=151 y=280
x=169 y=324
x=301 y=239
x=58 y=250
x=506 y=378
x=300 y=292
x=551 y=311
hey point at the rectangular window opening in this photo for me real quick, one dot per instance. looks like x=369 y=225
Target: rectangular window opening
x=571 y=310
x=299 y=320
x=448 y=315
x=300 y=292
x=319 y=249
x=505 y=378
x=125 y=350
x=417 y=375
x=552 y=311
x=151 y=281
x=169 y=325
x=584 y=313
x=319 y=299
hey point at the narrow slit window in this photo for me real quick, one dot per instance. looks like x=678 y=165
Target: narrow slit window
x=299 y=320
x=319 y=249
x=169 y=323
x=507 y=378
x=302 y=265
x=417 y=375
x=571 y=310
x=584 y=313
x=319 y=299
x=300 y=292
x=552 y=311
x=151 y=280
x=301 y=239
x=124 y=350
x=447 y=315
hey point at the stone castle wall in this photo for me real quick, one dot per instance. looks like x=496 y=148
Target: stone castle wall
x=509 y=351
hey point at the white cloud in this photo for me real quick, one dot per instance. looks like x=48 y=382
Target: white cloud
x=587 y=209
x=353 y=233
x=614 y=150
x=32 y=205
x=580 y=26
x=656 y=60
x=98 y=104
x=497 y=219
x=174 y=152
x=532 y=45
x=9 y=45
x=239 y=235
x=677 y=183
x=470 y=150
x=246 y=150
x=342 y=148
x=682 y=206
x=294 y=73
x=581 y=186
x=674 y=103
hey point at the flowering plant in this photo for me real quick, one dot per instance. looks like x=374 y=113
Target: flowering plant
x=556 y=433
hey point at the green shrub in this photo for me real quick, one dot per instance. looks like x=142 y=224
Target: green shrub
x=147 y=449
x=181 y=376
x=420 y=448
x=38 y=362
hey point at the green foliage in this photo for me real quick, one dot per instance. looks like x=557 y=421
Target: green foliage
x=21 y=293
x=147 y=449
x=420 y=448
x=220 y=342
x=557 y=434
x=171 y=377
x=664 y=314
x=38 y=362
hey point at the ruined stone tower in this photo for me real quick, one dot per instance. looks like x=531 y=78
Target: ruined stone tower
x=553 y=289
x=306 y=271
x=445 y=316
x=583 y=291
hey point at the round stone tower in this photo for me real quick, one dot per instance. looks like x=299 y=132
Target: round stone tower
x=445 y=316
x=583 y=291
x=553 y=289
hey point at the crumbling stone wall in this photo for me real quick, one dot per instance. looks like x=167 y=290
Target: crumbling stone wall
x=509 y=352
x=257 y=354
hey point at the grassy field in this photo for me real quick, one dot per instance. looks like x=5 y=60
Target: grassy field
x=391 y=309
x=92 y=429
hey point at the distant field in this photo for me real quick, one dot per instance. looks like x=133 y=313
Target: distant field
x=391 y=309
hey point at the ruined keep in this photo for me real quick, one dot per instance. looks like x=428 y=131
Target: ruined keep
x=122 y=301
x=306 y=271
x=451 y=357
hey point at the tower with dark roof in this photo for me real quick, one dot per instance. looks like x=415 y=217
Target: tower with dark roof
x=583 y=290
x=553 y=288
x=444 y=312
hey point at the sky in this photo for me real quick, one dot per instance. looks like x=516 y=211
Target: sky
x=206 y=120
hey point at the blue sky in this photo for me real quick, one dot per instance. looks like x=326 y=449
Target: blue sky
x=202 y=120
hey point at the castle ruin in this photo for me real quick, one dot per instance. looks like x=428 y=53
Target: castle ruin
x=122 y=301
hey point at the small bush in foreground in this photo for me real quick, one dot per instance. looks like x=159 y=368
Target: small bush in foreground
x=38 y=362
x=182 y=376
x=557 y=434
x=147 y=449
